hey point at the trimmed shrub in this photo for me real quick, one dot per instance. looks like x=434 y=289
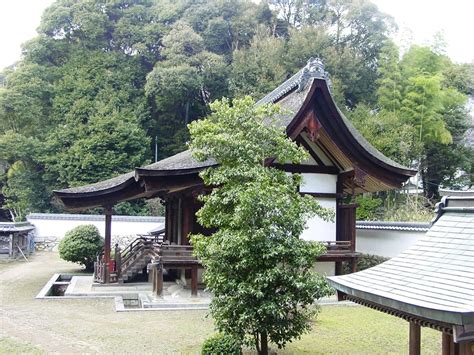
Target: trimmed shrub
x=365 y=261
x=220 y=344
x=81 y=245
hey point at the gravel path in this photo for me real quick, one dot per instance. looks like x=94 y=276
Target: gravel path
x=84 y=326
x=87 y=326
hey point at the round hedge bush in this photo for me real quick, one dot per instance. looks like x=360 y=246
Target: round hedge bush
x=220 y=343
x=81 y=245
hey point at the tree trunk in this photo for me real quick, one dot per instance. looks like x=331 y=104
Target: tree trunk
x=263 y=344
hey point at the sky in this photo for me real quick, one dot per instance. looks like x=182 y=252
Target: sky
x=418 y=21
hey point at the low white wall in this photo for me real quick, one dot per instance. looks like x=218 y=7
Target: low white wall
x=56 y=225
x=387 y=243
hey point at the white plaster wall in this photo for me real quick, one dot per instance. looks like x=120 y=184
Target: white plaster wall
x=317 y=228
x=57 y=225
x=388 y=243
x=323 y=183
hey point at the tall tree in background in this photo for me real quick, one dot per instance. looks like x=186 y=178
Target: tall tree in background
x=80 y=87
x=421 y=117
x=257 y=70
x=182 y=85
x=389 y=92
x=99 y=71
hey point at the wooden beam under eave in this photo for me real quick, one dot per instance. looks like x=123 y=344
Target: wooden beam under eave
x=171 y=183
x=302 y=168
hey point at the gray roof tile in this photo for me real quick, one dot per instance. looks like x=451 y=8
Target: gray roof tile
x=432 y=279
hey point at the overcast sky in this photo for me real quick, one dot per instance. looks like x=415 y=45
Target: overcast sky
x=418 y=20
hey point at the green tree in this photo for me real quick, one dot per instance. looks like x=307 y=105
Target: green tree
x=389 y=92
x=422 y=107
x=259 y=271
x=386 y=132
x=257 y=70
x=23 y=188
x=449 y=164
x=99 y=117
x=183 y=83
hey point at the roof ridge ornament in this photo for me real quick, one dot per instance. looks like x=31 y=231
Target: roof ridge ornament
x=313 y=69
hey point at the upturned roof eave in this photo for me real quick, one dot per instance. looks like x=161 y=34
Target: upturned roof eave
x=65 y=193
x=142 y=172
x=374 y=155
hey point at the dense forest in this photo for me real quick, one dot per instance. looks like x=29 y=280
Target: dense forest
x=102 y=79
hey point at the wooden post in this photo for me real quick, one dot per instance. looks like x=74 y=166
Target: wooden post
x=108 y=241
x=159 y=280
x=118 y=261
x=339 y=271
x=354 y=265
x=194 y=280
x=446 y=341
x=10 y=246
x=152 y=276
x=415 y=337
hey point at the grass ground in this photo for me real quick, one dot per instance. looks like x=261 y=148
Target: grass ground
x=92 y=326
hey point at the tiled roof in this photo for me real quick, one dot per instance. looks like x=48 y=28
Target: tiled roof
x=12 y=227
x=101 y=185
x=91 y=217
x=400 y=226
x=434 y=279
x=180 y=161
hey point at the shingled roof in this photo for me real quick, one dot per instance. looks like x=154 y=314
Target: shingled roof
x=433 y=280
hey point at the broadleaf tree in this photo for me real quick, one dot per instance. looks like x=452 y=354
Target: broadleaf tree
x=259 y=271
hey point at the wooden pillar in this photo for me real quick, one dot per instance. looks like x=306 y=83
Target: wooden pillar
x=446 y=341
x=415 y=339
x=167 y=220
x=194 y=280
x=10 y=246
x=158 y=280
x=186 y=207
x=341 y=296
x=118 y=262
x=108 y=241
x=354 y=265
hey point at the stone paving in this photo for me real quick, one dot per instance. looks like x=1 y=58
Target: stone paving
x=131 y=296
x=138 y=296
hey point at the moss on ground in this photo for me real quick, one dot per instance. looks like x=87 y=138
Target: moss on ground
x=93 y=326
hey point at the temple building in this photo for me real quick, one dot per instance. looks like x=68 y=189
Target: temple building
x=431 y=284
x=341 y=163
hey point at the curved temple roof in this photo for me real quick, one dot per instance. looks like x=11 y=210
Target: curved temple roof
x=434 y=279
x=297 y=96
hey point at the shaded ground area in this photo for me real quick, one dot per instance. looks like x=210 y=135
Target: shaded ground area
x=79 y=326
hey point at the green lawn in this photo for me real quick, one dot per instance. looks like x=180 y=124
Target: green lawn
x=92 y=326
